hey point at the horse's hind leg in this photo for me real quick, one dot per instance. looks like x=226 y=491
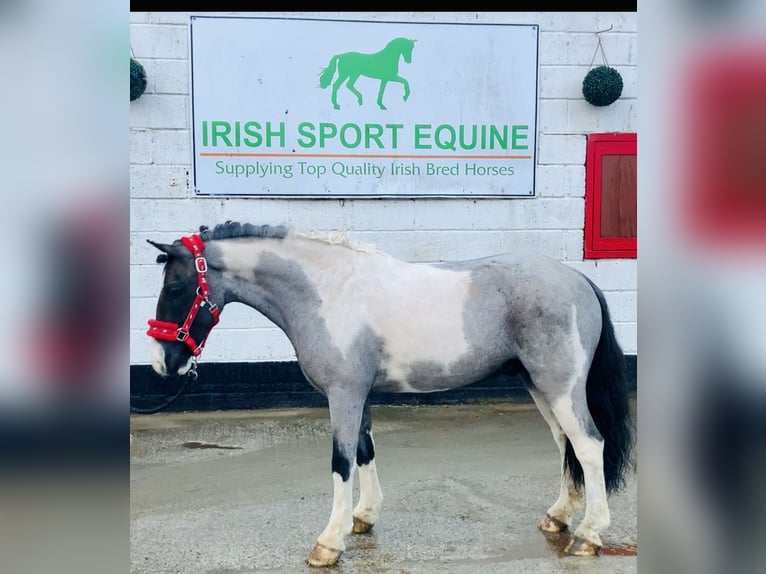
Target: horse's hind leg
x=571 y=411
x=335 y=85
x=559 y=516
x=353 y=90
x=345 y=419
x=370 y=496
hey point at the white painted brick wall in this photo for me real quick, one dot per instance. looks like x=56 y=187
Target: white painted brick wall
x=162 y=111
x=159 y=182
x=163 y=206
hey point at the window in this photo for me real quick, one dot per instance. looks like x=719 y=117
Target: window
x=610 y=196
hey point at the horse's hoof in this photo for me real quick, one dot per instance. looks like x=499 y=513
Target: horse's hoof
x=323 y=556
x=550 y=524
x=360 y=526
x=581 y=547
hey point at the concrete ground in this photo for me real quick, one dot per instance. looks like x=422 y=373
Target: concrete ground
x=236 y=492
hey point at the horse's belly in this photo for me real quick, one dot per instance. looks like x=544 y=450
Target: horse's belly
x=437 y=351
x=426 y=376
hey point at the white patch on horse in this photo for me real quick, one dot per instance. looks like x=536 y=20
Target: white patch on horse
x=185 y=369
x=590 y=453
x=579 y=355
x=370 y=494
x=241 y=256
x=158 y=358
x=341 y=522
x=570 y=499
x=415 y=309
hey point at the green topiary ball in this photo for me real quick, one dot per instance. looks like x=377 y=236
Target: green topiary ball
x=137 y=80
x=602 y=86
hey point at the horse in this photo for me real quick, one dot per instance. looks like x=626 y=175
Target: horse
x=361 y=320
x=382 y=65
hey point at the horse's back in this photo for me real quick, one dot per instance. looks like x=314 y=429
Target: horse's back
x=448 y=324
x=518 y=290
x=545 y=301
x=527 y=277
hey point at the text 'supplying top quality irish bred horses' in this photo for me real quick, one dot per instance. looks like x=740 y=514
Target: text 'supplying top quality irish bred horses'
x=361 y=320
x=383 y=66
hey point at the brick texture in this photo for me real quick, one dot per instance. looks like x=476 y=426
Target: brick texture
x=164 y=206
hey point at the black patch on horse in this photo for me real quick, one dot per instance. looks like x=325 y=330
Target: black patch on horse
x=340 y=463
x=365 y=451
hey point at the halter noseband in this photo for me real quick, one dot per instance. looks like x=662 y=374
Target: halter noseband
x=166 y=331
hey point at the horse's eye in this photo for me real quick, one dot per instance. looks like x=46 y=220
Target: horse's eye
x=173 y=291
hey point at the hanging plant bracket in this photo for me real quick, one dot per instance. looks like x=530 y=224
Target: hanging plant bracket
x=603 y=84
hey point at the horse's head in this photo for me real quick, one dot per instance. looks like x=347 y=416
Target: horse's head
x=407 y=46
x=186 y=310
x=403 y=46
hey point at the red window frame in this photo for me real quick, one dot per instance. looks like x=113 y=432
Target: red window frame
x=598 y=246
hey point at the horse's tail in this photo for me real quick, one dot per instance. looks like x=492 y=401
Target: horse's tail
x=608 y=402
x=327 y=73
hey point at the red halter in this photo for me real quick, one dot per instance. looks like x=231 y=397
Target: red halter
x=167 y=331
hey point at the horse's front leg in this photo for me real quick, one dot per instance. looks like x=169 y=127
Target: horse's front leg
x=345 y=419
x=382 y=89
x=370 y=496
x=406 y=85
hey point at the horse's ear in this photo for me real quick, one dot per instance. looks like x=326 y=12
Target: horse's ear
x=161 y=246
x=167 y=250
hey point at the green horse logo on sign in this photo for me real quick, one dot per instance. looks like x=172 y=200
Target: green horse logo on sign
x=383 y=66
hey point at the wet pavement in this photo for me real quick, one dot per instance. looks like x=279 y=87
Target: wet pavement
x=237 y=492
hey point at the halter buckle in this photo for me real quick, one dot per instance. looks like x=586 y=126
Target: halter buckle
x=181 y=335
x=201 y=264
x=206 y=302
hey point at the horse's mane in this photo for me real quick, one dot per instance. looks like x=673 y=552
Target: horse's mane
x=235 y=230
x=339 y=238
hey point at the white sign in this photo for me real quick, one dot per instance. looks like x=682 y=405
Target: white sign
x=298 y=107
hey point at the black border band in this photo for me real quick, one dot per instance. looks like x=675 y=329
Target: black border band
x=269 y=385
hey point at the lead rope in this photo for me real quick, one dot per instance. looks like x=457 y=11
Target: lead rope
x=191 y=375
